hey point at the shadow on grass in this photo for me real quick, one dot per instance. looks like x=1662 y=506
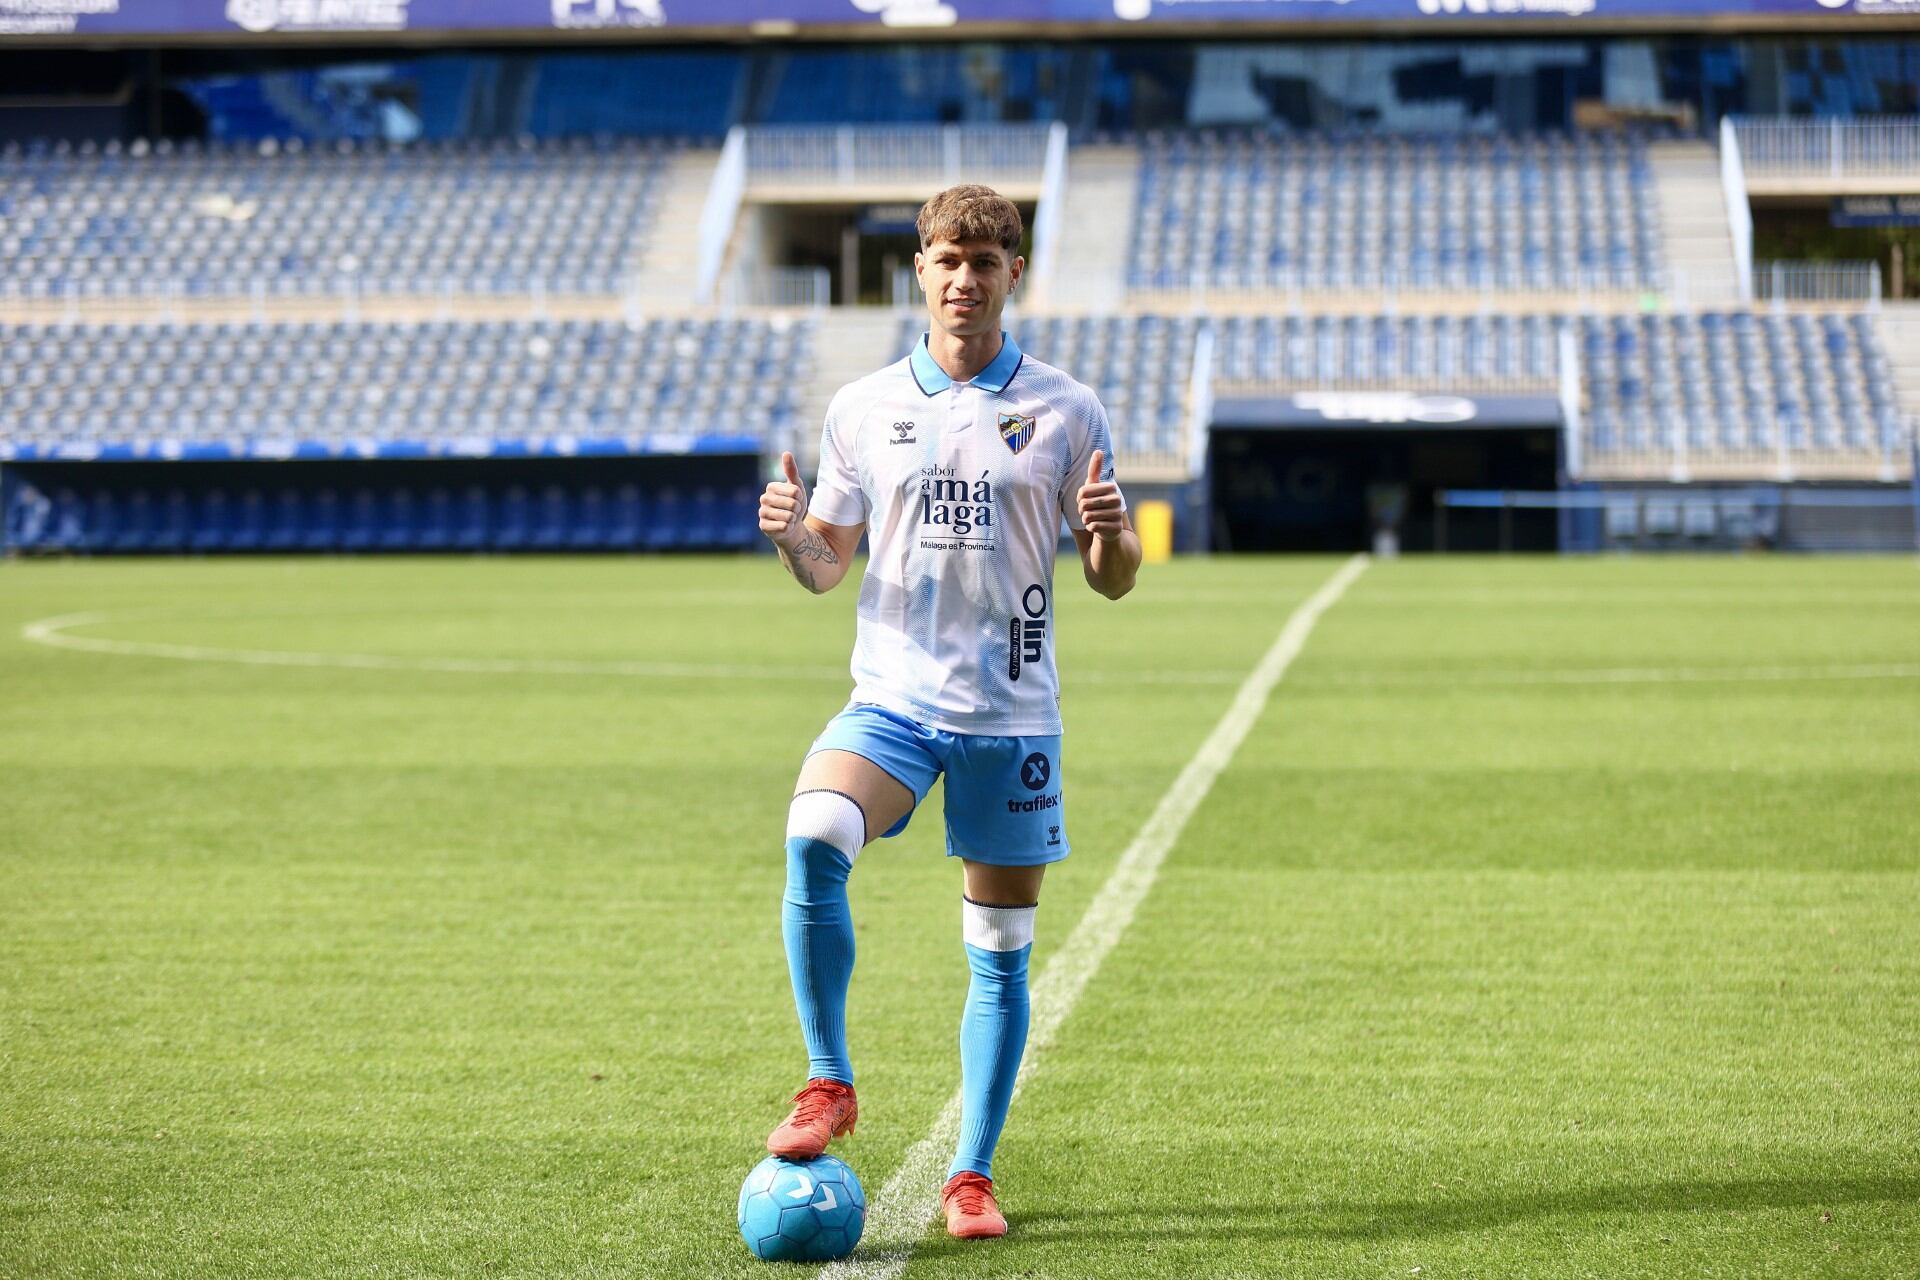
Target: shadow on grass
x=1414 y=1220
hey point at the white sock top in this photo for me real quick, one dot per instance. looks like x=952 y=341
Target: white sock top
x=828 y=816
x=996 y=928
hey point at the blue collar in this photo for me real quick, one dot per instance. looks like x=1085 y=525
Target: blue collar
x=932 y=379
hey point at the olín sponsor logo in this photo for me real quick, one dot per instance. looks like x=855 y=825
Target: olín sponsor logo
x=1026 y=637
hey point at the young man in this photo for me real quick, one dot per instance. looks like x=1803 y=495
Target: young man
x=958 y=462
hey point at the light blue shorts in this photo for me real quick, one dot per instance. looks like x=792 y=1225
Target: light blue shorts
x=1003 y=794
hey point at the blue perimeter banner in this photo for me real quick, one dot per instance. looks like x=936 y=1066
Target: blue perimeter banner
x=292 y=17
x=268 y=450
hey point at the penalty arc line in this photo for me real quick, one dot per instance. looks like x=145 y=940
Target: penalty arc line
x=899 y=1214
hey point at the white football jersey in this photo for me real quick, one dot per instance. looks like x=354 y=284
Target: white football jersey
x=962 y=487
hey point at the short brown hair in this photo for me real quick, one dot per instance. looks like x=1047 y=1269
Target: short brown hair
x=970 y=212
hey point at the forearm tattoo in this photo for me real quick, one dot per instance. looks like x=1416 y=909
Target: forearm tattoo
x=811 y=547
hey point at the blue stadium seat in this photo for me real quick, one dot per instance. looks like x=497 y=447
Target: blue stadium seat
x=211 y=521
x=361 y=529
x=550 y=526
x=589 y=528
x=173 y=531
x=249 y=529
x=320 y=526
x=287 y=521
x=435 y=530
x=670 y=516
x=629 y=519
x=512 y=520
x=473 y=523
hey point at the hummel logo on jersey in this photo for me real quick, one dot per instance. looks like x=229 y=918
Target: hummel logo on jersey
x=1016 y=430
x=903 y=434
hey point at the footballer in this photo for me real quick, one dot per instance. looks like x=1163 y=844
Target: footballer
x=958 y=464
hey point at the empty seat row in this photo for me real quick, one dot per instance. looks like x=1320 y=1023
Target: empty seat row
x=71 y=384
x=1513 y=212
x=291 y=219
x=435 y=518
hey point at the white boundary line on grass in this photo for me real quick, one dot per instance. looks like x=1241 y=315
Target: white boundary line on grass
x=54 y=633
x=899 y=1214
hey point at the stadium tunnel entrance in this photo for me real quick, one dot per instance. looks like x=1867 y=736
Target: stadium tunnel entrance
x=862 y=253
x=1331 y=471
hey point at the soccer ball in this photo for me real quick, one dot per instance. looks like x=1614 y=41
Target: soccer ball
x=812 y=1212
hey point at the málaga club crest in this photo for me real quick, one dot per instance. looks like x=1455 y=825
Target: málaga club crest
x=1016 y=430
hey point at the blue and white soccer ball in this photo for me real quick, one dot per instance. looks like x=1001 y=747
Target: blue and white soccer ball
x=812 y=1212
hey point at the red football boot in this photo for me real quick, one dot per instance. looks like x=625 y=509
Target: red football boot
x=972 y=1212
x=823 y=1111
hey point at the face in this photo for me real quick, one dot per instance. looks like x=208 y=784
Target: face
x=967 y=283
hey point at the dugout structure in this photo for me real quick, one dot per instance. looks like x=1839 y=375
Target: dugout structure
x=1344 y=471
x=704 y=502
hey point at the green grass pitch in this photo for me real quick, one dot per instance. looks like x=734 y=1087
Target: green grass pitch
x=1559 y=918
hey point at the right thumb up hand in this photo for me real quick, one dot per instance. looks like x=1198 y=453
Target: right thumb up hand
x=783 y=506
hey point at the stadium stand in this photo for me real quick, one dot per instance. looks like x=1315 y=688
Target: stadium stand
x=1141 y=367
x=1515 y=224
x=1744 y=387
x=74 y=387
x=291 y=219
x=1801 y=386
x=1333 y=211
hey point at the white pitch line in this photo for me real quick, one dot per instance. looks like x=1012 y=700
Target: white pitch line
x=54 y=633
x=899 y=1214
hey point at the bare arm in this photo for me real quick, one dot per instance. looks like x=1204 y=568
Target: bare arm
x=1110 y=567
x=819 y=559
x=814 y=552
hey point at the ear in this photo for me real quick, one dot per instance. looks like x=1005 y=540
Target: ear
x=1015 y=271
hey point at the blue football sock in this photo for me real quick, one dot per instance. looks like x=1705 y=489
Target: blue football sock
x=824 y=833
x=993 y=1030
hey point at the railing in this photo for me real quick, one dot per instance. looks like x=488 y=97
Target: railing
x=810 y=287
x=169 y=296
x=897 y=153
x=1200 y=401
x=1280 y=288
x=721 y=212
x=1781 y=282
x=1046 y=216
x=904 y=292
x=1567 y=359
x=1733 y=190
x=1870 y=147
x=1400 y=384
x=1730 y=518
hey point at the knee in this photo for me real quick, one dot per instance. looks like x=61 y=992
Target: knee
x=825 y=831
